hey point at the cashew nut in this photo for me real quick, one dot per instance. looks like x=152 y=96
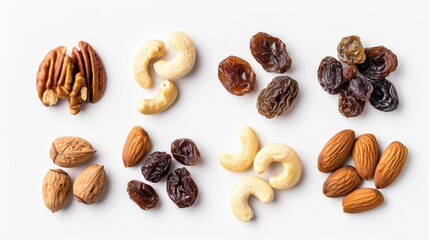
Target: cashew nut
x=243 y=159
x=166 y=96
x=249 y=185
x=292 y=166
x=148 y=51
x=184 y=61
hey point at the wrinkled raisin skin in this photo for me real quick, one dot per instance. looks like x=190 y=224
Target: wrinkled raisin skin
x=185 y=151
x=277 y=96
x=349 y=72
x=330 y=75
x=350 y=50
x=155 y=166
x=384 y=96
x=379 y=63
x=270 y=52
x=236 y=75
x=142 y=194
x=181 y=188
x=361 y=88
x=348 y=104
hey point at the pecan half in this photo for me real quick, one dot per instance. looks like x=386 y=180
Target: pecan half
x=79 y=93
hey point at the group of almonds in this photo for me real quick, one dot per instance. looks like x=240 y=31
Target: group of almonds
x=345 y=180
x=88 y=186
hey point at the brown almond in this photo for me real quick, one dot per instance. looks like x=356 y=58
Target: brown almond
x=71 y=151
x=362 y=199
x=336 y=151
x=391 y=164
x=56 y=189
x=136 y=146
x=341 y=182
x=365 y=155
x=89 y=184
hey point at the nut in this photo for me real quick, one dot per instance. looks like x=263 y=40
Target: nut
x=362 y=199
x=336 y=151
x=285 y=155
x=78 y=94
x=166 y=96
x=243 y=159
x=148 y=51
x=341 y=182
x=136 y=146
x=56 y=189
x=71 y=151
x=391 y=164
x=184 y=60
x=365 y=155
x=89 y=184
x=246 y=186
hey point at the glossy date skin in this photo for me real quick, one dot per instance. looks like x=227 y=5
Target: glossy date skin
x=181 y=188
x=236 y=75
x=185 y=151
x=142 y=194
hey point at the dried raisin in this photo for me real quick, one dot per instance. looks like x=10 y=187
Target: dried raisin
x=142 y=194
x=330 y=75
x=348 y=104
x=185 y=151
x=155 y=166
x=384 y=96
x=349 y=72
x=350 y=50
x=361 y=88
x=236 y=75
x=379 y=63
x=181 y=188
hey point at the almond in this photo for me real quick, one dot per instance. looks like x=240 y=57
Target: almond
x=336 y=151
x=391 y=164
x=341 y=182
x=362 y=199
x=56 y=189
x=136 y=146
x=89 y=184
x=71 y=151
x=365 y=155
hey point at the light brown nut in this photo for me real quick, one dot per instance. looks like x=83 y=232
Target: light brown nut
x=136 y=146
x=71 y=151
x=336 y=151
x=89 y=184
x=78 y=94
x=391 y=164
x=56 y=189
x=341 y=182
x=362 y=199
x=65 y=81
x=165 y=97
x=365 y=155
x=149 y=50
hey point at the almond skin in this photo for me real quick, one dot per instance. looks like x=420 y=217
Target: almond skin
x=362 y=199
x=341 y=182
x=391 y=164
x=89 y=184
x=136 y=146
x=71 y=151
x=365 y=155
x=336 y=151
x=56 y=189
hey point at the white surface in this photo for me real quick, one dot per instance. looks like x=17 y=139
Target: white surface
x=208 y=114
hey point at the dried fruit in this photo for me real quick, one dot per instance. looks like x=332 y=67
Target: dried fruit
x=71 y=151
x=336 y=151
x=341 y=182
x=136 y=146
x=360 y=88
x=156 y=165
x=270 y=52
x=379 y=63
x=142 y=194
x=391 y=164
x=277 y=97
x=350 y=50
x=330 y=75
x=362 y=199
x=236 y=75
x=185 y=151
x=56 y=189
x=348 y=104
x=89 y=184
x=384 y=96
x=349 y=72
x=181 y=188
x=365 y=155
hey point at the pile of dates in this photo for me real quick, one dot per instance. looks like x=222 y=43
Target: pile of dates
x=359 y=76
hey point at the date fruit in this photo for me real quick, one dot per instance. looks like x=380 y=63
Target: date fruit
x=142 y=194
x=330 y=75
x=348 y=104
x=155 y=166
x=181 y=188
x=350 y=50
x=185 y=151
x=236 y=75
x=379 y=63
x=384 y=96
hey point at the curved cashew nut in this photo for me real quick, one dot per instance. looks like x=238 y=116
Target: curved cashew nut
x=243 y=159
x=148 y=51
x=166 y=96
x=184 y=61
x=292 y=166
x=249 y=185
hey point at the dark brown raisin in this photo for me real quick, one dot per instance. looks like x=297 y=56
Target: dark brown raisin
x=270 y=52
x=384 y=96
x=142 y=194
x=361 y=88
x=349 y=72
x=236 y=75
x=348 y=104
x=181 y=188
x=350 y=50
x=185 y=151
x=156 y=165
x=379 y=63
x=277 y=96
x=330 y=75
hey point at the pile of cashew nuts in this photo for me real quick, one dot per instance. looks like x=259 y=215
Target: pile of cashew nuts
x=253 y=185
x=168 y=70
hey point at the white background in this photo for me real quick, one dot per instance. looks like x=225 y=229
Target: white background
x=208 y=114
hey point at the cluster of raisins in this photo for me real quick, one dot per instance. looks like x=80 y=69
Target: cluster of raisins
x=238 y=77
x=362 y=78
